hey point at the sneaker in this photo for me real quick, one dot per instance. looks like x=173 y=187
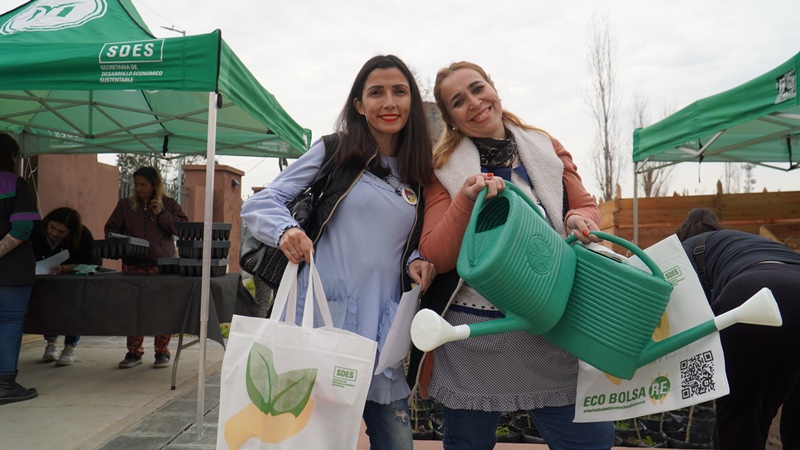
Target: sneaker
x=130 y=361
x=162 y=361
x=50 y=352
x=67 y=357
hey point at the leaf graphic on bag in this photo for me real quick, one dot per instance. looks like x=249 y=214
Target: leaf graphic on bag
x=260 y=376
x=275 y=393
x=292 y=390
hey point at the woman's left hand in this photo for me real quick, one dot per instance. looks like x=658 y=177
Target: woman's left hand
x=580 y=227
x=422 y=272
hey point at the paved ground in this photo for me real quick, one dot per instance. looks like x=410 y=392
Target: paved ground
x=89 y=404
x=95 y=405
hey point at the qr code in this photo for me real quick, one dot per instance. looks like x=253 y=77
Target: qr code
x=697 y=375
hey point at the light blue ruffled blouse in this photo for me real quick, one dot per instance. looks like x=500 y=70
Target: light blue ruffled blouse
x=358 y=256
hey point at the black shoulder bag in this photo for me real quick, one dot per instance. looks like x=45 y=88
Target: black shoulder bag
x=267 y=262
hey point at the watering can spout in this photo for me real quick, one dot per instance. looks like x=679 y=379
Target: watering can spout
x=760 y=309
x=429 y=330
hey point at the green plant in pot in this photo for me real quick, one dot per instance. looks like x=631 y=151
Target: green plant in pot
x=508 y=433
x=421 y=426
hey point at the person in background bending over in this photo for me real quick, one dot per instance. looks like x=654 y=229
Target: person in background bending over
x=17 y=268
x=762 y=363
x=62 y=229
x=147 y=214
x=367 y=256
x=477 y=379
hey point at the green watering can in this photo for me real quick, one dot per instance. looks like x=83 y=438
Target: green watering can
x=512 y=256
x=612 y=308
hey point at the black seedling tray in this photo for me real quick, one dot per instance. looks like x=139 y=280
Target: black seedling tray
x=194 y=267
x=220 y=231
x=194 y=249
x=168 y=266
x=117 y=248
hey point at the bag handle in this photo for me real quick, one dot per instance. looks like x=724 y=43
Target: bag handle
x=473 y=220
x=627 y=245
x=315 y=291
x=286 y=295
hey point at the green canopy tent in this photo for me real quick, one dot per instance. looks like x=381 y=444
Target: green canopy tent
x=757 y=122
x=88 y=76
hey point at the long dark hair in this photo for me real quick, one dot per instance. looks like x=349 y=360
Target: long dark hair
x=71 y=219
x=8 y=150
x=699 y=221
x=414 y=146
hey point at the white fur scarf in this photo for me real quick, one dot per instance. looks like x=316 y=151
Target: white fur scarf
x=539 y=158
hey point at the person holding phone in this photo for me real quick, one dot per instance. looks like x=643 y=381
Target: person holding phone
x=147 y=214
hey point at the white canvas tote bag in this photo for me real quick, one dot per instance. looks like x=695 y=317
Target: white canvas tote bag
x=285 y=386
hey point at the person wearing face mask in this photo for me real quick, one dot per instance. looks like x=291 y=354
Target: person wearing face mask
x=371 y=217
x=147 y=214
x=478 y=378
x=62 y=229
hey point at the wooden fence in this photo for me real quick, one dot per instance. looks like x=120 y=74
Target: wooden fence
x=772 y=214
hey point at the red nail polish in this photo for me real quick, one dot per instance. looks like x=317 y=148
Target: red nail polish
x=586 y=232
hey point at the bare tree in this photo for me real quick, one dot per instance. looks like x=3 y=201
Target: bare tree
x=749 y=181
x=732 y=178
x=603 y=101
x=654 y=182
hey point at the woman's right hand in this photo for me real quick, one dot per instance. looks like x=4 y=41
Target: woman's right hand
x=296 y=245
x=475 y=184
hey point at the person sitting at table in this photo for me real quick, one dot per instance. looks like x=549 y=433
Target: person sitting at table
x=147 y=214
x=62 y=229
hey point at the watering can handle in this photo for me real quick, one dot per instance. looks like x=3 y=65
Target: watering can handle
x=629 y=246
x=473 y=220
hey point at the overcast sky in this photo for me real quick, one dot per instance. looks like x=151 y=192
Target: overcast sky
x=307 y=52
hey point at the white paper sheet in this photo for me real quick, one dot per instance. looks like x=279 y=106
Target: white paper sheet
x=43 y=267
x=398 y=341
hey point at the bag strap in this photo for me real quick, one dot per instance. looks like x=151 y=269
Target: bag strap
x=699 y=254
x=286 y=295
x=315 y=291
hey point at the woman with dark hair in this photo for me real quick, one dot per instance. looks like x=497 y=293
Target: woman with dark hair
x=698 y=221
x=60 y=230
x=17 y=267
x=372 y=215
x=147 y=214
x=762 y=363
x=477 y=379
